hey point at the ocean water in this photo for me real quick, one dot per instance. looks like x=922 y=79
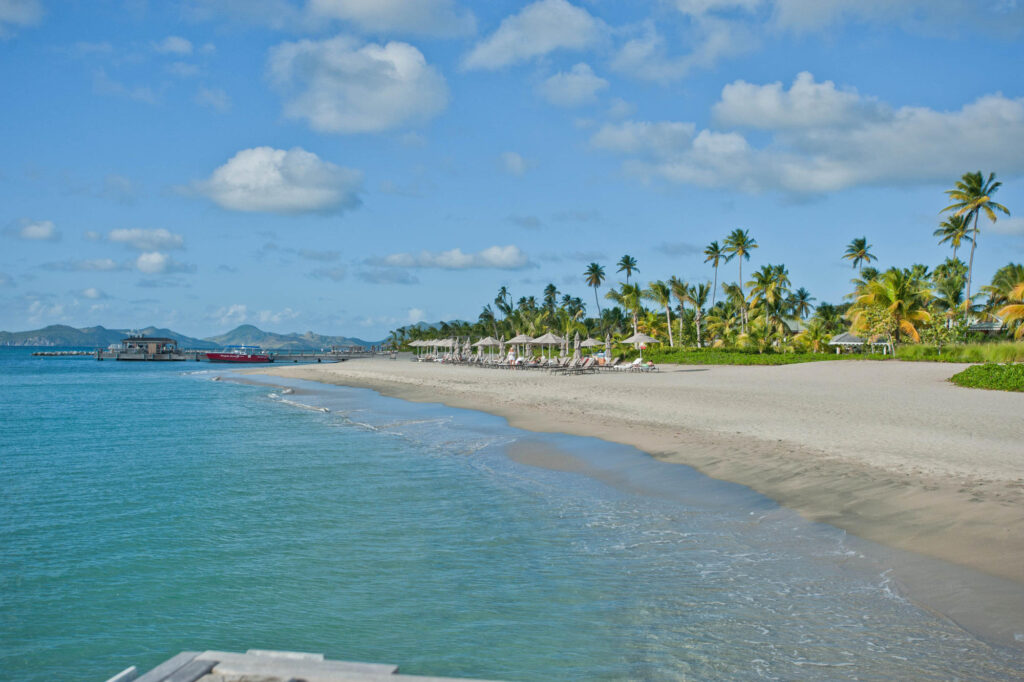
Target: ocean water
x=147 y=509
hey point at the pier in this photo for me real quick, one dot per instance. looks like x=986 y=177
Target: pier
x=258 y=665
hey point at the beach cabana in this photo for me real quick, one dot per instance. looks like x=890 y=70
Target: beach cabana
x=848 y=340
x=640 y=339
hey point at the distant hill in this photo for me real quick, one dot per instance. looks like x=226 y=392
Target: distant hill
x=63 y=336
x=248 y=335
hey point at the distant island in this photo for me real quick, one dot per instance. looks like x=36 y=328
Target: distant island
x=63 y=336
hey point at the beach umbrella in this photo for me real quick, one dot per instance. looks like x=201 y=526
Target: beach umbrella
x=501 y=346
x=576 y=347
x=608 y=346
x=521 y=338
x=548 y=340
x=640 y=339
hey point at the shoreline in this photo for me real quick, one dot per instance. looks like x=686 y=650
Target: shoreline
x=890 y=452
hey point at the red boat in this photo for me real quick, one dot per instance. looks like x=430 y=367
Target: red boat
x=248 y=354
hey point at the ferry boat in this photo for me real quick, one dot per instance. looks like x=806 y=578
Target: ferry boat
x=250 y=354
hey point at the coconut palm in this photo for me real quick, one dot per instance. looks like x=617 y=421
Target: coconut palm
x=902 y=299
x=680 y=290
x=661 y=294
x=594 y=275
x=971 y=196
x=739 y=244
x=629 y=296
x=1013 y=314
x=627 y=264
x=550 y=297
x=815 y=336
x=800 y=303
x=858 y=252
x=715 y=255
x=1003 y=282
x=956 y=230
x=697 y=295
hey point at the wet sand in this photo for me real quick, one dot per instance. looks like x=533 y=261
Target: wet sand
x=889 y=451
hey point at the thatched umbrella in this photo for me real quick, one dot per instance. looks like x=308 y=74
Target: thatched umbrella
x=548 y=340
x=576 y=347
x=608 y=346
x=522 y=338
x=639 y=339
x=501 y=346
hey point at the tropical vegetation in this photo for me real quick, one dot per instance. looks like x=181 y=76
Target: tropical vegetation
x=920 y=312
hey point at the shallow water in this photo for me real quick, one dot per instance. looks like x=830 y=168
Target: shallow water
x=147 y=509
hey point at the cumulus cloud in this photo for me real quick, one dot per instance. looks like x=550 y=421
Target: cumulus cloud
x=496 y=257
x=821 y=139
x=147 y=240
x=540 y=28
x=647 y=56
x=19 y=13
x=388 y=276
x=173 y=45
x=441 y=18
x=234 y=314
x=157 y=263
x=574 y=88
x=340 y=86
x=35 y=230
x=272 y=317
x=279 y=181
x=94 y=294
x=514 y=163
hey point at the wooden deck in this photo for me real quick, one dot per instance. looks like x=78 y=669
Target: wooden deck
x=259 y=665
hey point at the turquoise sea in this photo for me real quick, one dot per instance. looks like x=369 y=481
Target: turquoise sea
x=147 y=509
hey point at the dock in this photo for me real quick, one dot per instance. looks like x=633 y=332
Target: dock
x=260 y=665
x=188 y=355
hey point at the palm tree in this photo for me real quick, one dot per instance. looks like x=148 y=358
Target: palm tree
x=715 y=255
x=955 y=230
x=550 y=297
x=972 y=195
x=661 y=293
x=857 y=251
x=697 y=295
x=594 y=275
x=800 y=303
x=901 y=298
x=629 y=297
x=1003 y=282
x=627 y=264
x=1014 y=312
x=504 y=301
x=815 y=335
x=739 y=243
x=680 y=290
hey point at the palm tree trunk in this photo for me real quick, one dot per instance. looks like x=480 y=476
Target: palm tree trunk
x=715 y=289
x=697 y=319
x=970 y=266
x=668 y=315
x=743 y=301
x=598 y=302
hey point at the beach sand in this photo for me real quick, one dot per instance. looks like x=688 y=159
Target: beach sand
x=889 y=451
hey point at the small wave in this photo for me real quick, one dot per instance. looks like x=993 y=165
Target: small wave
x=304 y=406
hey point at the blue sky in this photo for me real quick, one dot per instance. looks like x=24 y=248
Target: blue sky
x=349 y=166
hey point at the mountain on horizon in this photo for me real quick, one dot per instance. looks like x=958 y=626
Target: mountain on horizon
x=64 y=336
x=249 y=335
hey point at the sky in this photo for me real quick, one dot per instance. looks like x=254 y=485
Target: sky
x=352 y=166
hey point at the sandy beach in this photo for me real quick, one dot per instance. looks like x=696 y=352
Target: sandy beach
x=889 y=451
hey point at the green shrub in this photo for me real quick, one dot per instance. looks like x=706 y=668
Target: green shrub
x=972 y=352
x=709 y=356
x=992 y=376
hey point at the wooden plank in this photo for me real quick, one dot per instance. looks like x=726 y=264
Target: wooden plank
x=287 y=655
x=191 y=671
x=159 y=673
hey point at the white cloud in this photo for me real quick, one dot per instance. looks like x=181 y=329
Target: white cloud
x=105 y=85
x=701 y=7
x=173 y=45
x=231 y=315
x=269 y=316
x=497 y=257
x=214 y=98
x=118 y=188
x=19 y=13
x=147 y=240
x=646 y=57
x=440 y=18
x=339 y=86
x=620 y=109
x=182 y=69
x=540 y=28
x=806 y=104
x=157 y=263
x=577 y=87
x=278 y=181
x=822 y=139
x=812 y=15
x=415 y=316
x=37 y=230
x=93 y=265
x=94 y=294
x=514 y=163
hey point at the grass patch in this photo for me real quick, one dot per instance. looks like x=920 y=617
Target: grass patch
x=682 y=356
x=992 y=376
x=971 y=352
